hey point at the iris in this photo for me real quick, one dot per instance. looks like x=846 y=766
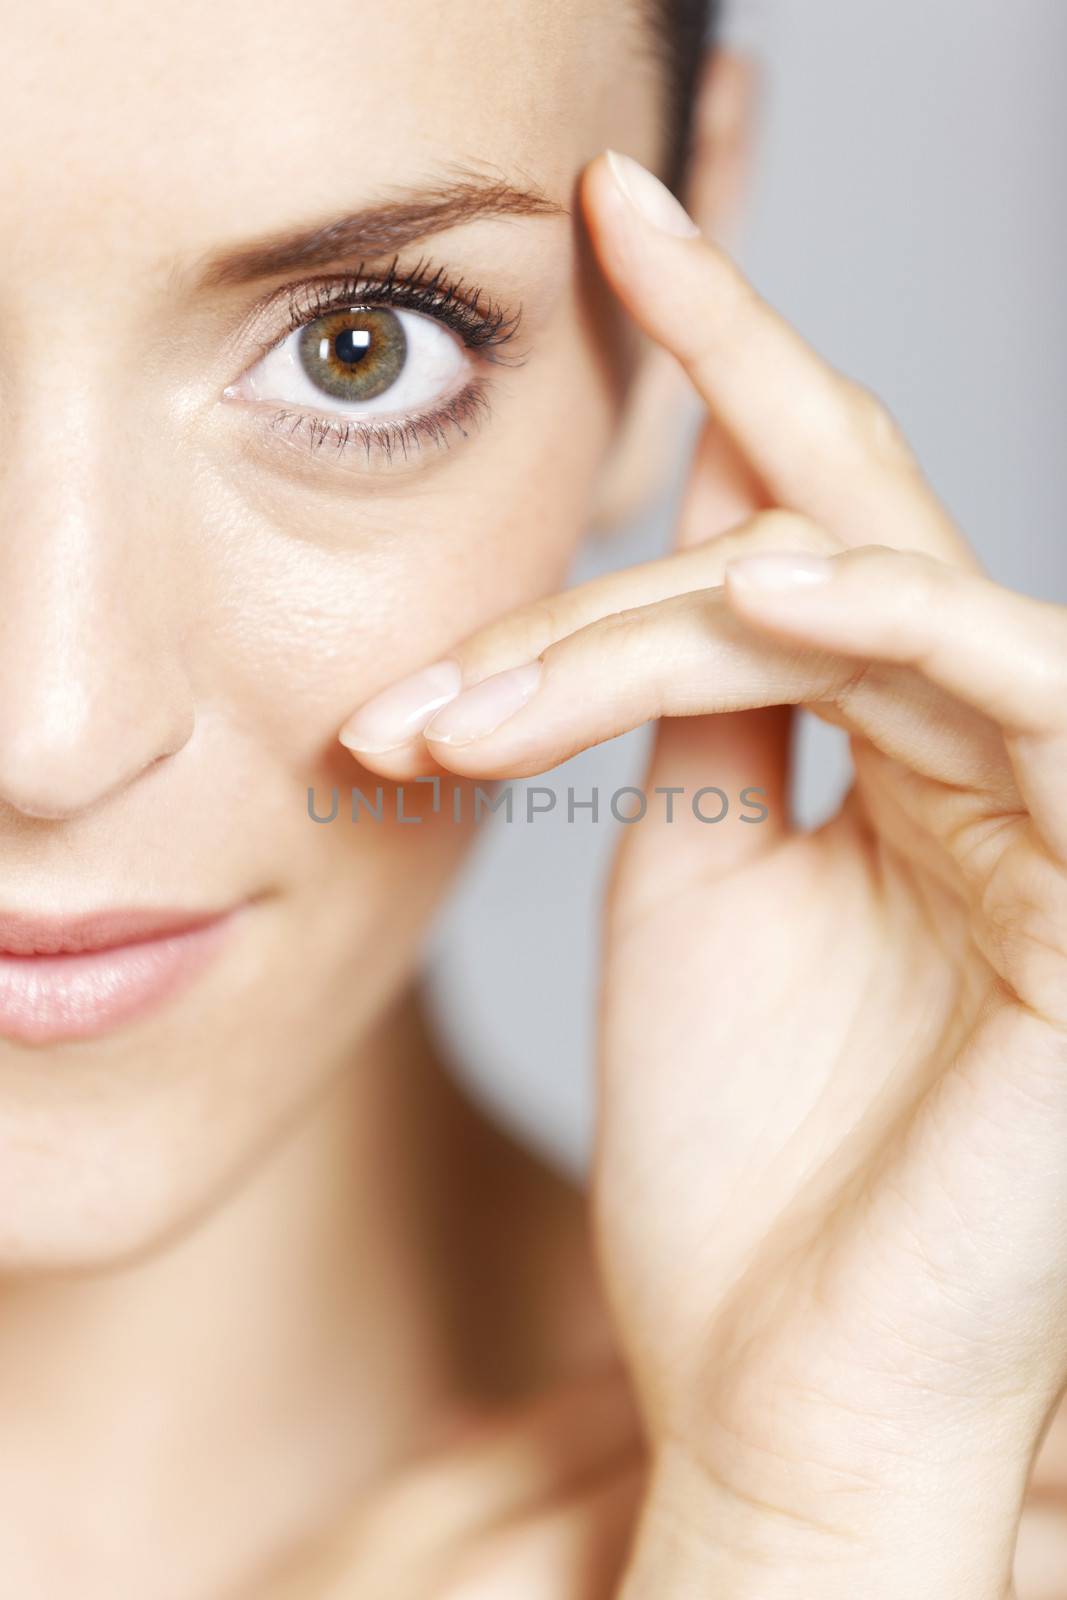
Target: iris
x=354 y=354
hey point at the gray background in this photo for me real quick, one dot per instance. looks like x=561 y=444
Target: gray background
x=909 y=214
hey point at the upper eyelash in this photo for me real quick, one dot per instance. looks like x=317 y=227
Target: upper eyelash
x=481 y=323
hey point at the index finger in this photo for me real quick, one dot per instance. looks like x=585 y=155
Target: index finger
x=821 y=443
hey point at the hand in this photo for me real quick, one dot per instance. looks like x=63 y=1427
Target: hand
x=831 y=1183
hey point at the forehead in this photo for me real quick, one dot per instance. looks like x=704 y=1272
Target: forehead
x=222 y=115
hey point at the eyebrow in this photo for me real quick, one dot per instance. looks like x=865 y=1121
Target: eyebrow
x=376 y=230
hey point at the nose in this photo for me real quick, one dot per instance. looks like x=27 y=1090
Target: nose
x=92 y=687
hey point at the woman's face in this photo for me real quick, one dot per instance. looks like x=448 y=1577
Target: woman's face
x=221 y=533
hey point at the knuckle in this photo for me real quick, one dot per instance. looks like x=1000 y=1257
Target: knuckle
x=518 y=637
x=790 y=530
x=871 y=428
x=852 y=686
x=1046 y=672
x=626 y=630
x=920 y=585
x=542 y=622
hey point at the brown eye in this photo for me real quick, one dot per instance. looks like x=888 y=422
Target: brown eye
x=355 y=354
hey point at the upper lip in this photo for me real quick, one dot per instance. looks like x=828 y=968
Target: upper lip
x=22 y=935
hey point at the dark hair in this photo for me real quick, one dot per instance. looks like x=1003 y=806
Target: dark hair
x=682 y=29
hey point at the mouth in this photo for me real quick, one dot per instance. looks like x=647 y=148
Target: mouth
x=77 y=977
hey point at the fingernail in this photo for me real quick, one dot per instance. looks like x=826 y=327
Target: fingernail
x=779 y=570
x=651 y=198
x=393 y=718
x=482 y=708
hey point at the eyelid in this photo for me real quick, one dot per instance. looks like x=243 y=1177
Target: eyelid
x=483 y=324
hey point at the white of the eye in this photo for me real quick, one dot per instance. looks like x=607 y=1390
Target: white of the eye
x=433 y=366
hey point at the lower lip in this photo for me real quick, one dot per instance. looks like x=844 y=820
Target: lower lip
x=44 y=999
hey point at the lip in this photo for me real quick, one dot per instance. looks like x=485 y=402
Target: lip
x=77 y=977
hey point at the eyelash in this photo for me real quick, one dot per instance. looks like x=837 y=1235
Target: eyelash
x=386 y=438
x=480 y=323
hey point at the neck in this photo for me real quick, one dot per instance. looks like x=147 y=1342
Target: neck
x=289 y=1349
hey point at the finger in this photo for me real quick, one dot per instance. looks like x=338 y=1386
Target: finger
x=692 y=655
x=386 y=734
x=820 y=442
x=724 y=766
x=722 y=490
x=1002 y=653
x=745 y=750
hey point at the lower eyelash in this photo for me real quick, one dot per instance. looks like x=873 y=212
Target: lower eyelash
x=390 y=437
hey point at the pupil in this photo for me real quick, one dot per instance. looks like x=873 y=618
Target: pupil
x=352 y=345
